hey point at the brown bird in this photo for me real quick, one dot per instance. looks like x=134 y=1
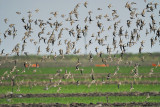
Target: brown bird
x=151 y=72
x=85 y=4
x=131 y=88
x=152 y=42
x=37 y=10
x=38 y=50
x=148 y=96
x=18 y=13
x=109 y=6
x=77 y=66
x=6 y=20
x=140 y=50
x=58 y=89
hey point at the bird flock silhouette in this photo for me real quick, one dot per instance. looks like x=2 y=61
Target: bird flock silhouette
x=56 y=35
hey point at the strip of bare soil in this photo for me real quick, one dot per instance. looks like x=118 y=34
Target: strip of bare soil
x=80 y=94
x=81 y=104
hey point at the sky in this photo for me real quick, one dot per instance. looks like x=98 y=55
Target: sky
x=8 y=9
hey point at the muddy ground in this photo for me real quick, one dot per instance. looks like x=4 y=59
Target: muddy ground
x=80 y=94
x=81 y=105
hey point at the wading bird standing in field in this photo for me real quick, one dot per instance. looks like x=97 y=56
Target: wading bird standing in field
x=18 y=89
x=158 y=64
x=90 y=57
x=140 y=77
x=34 y=71
x=23 y=70
x=108 y=76
x=9 y=100
x=107 y=99
x=81 y=71
x=46 y=87
x=78 y=83
x=142 y=59
x=103 y=80
x=51 y=78
x=131 y=88
x=92 y=72
x=58 y=89
x=148 y=96
x=151 y=72
x=119 y=83
x=92 y=77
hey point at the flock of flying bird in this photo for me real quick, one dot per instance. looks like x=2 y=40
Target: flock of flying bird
x=59 y=31
x=76 y=32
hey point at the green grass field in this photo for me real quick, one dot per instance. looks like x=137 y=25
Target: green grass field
x=81 y=89
x=38 y=80
x=42 y=76
x=53 y=70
